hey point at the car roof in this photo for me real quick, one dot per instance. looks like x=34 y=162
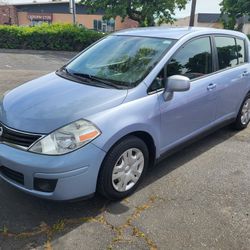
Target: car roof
x=175 y=33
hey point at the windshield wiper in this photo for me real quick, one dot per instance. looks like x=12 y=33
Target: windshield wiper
x=72 y=75
x=98 y=79
x=65 y=70
x=89 y=78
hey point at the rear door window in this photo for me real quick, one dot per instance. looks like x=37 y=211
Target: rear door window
x=227 y=52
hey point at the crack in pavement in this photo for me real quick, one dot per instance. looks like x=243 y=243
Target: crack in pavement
x=119 y=231
x=119 y=237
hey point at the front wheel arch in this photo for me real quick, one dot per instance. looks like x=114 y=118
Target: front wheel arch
x=148 y=140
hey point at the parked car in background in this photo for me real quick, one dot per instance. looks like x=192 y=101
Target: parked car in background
x=119 y=106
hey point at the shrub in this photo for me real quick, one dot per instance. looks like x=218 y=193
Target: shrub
x=47 y=37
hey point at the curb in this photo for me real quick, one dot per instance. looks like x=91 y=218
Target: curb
x=38 y=52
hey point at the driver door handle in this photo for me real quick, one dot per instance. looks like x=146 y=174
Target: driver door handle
x=211 y=86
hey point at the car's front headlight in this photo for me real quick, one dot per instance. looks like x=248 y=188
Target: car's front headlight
x=67 y=139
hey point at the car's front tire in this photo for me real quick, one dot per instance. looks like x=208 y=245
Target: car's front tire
x=123 y=168
x=243 y=117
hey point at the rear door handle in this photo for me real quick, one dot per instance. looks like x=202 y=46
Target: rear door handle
x=245 y=74
x=211 y=86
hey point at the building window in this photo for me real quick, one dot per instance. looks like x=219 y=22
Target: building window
x=98 y=25
x=104 y=26
x=37 y=22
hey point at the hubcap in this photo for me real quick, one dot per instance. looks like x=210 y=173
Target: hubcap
x=245 y=112
x=128 y=170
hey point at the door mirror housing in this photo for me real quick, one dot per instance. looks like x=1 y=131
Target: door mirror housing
x=176 y=83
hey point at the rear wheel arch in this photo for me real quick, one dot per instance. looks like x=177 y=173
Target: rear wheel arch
x=238 y=124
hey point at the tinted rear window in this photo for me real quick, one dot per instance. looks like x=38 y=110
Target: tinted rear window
x=227 y=52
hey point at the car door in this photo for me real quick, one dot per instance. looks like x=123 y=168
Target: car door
x=189 y=113
x=232 y=75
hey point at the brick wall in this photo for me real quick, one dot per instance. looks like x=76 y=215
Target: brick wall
x=128 y=23
x=8 y=15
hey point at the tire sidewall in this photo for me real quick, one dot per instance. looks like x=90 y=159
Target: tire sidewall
x=238 y=124
x=105 y=185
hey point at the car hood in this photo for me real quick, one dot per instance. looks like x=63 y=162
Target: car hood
x=50 y=102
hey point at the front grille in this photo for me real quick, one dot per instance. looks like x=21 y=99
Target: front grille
x=17 y=138
x=12 y=175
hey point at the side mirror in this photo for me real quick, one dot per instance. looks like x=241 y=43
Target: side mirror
x=176 y=83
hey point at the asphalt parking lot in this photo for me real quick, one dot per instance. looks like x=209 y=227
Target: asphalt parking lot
x=199 y=198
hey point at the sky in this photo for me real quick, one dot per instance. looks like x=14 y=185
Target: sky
x=203 y=6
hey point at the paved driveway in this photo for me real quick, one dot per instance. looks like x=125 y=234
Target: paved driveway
x=198 y=198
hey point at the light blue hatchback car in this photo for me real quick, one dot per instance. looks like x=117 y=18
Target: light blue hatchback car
x=126 y=101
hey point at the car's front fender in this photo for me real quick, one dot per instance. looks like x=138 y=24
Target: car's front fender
x=140 y=115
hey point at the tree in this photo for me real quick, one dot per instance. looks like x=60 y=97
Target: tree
x=234 y=10
x=145 y=12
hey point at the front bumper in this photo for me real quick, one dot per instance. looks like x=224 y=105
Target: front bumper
x=76 y=173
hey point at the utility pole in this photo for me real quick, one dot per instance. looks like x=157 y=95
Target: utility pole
x=72 y=10
x=192 y=16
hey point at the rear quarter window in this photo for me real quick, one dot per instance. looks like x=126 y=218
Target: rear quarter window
x=241 y=49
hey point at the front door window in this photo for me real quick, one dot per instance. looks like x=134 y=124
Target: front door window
x=193 y=60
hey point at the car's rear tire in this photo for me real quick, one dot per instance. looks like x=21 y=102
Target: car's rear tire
x=123 y=168
x=243 y=117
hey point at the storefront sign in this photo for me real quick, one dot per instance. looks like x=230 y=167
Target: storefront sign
x=40 y=17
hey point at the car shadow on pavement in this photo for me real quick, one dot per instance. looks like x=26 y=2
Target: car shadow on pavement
x=187 y=153
x=21 y=214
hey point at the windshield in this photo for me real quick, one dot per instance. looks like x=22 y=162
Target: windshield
x=122 y=60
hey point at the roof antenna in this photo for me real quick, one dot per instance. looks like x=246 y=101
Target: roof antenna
x=192 y=16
